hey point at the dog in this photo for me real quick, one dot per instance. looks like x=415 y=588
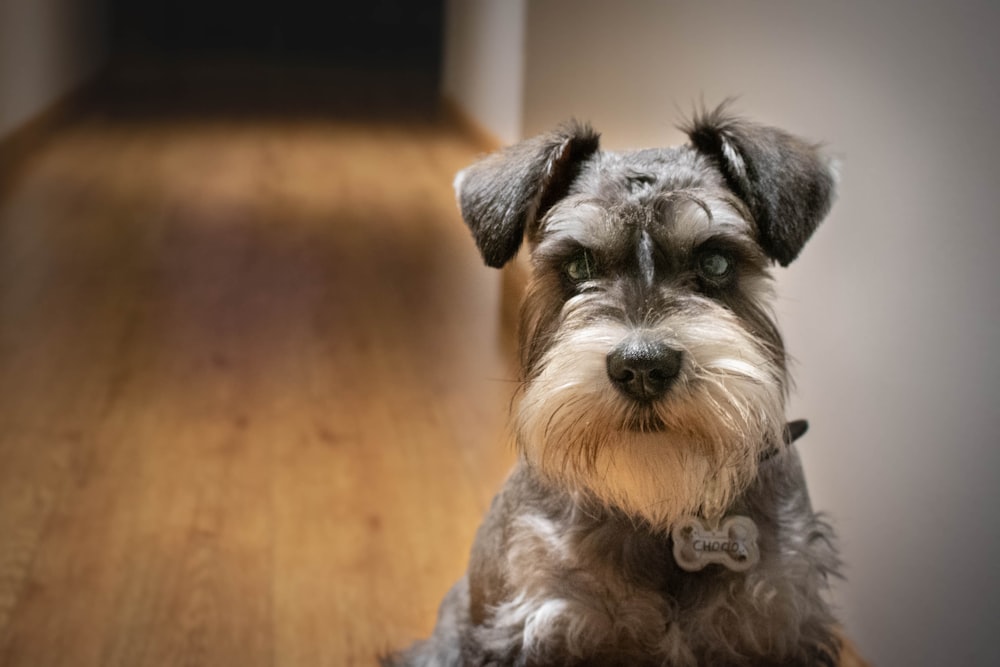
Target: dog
x=658 y=514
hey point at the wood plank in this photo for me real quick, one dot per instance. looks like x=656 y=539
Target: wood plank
x=251 y=383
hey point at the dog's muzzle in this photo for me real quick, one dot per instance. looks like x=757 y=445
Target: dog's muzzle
x=643 y=370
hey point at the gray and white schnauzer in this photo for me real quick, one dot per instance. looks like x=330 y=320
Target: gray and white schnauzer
x=658 y=514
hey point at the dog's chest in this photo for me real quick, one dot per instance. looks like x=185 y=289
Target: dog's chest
x=587 y=588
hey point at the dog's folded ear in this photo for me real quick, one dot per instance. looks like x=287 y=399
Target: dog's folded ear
x=786 y=182
x=505 y=194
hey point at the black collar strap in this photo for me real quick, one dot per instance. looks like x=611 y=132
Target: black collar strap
x=793 y=431
x=731 y=541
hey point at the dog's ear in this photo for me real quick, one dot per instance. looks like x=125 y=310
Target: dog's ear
x=505 y=194
x=786 y=182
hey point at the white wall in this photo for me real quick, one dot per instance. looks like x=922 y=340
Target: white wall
x=893 y=311
x=48 y=48
x=484 y=62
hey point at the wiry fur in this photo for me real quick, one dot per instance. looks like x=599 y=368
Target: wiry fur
x=573 y=564
x=725 y=409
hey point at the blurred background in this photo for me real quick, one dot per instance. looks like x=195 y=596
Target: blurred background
x=890 y=313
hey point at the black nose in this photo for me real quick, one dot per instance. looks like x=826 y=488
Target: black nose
x=643 y=370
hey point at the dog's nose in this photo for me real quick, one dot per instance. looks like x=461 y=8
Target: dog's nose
x=643 y=370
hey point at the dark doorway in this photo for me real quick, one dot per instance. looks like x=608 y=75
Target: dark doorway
x=381 y=57
x=376 y=33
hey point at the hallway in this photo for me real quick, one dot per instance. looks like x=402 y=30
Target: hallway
x=252 y=386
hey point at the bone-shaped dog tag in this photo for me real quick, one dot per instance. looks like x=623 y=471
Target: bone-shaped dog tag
x=734 y=544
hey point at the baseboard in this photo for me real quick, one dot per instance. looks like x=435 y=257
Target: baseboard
x=483 y=138
x=21 y=141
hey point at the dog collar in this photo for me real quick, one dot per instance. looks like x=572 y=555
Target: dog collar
x=793 y=431
x=733 y=544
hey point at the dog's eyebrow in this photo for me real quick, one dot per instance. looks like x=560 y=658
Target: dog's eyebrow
x=557 y=249
x=737 y=204
x=702 y=211
x=584 y=220
x=664 y=203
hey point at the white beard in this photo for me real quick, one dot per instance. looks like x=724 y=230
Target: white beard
x=724 y=410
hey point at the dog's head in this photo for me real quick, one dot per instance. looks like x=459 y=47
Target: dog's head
x=654 y=373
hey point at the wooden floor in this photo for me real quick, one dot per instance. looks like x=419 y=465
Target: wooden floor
x=252 y=387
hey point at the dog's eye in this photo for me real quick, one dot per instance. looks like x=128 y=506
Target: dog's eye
x=581 y=267
x=715 y=265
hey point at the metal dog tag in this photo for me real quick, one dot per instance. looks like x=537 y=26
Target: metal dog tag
x=733 y=545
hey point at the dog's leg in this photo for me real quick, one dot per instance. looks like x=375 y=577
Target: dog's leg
x=444 y=647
